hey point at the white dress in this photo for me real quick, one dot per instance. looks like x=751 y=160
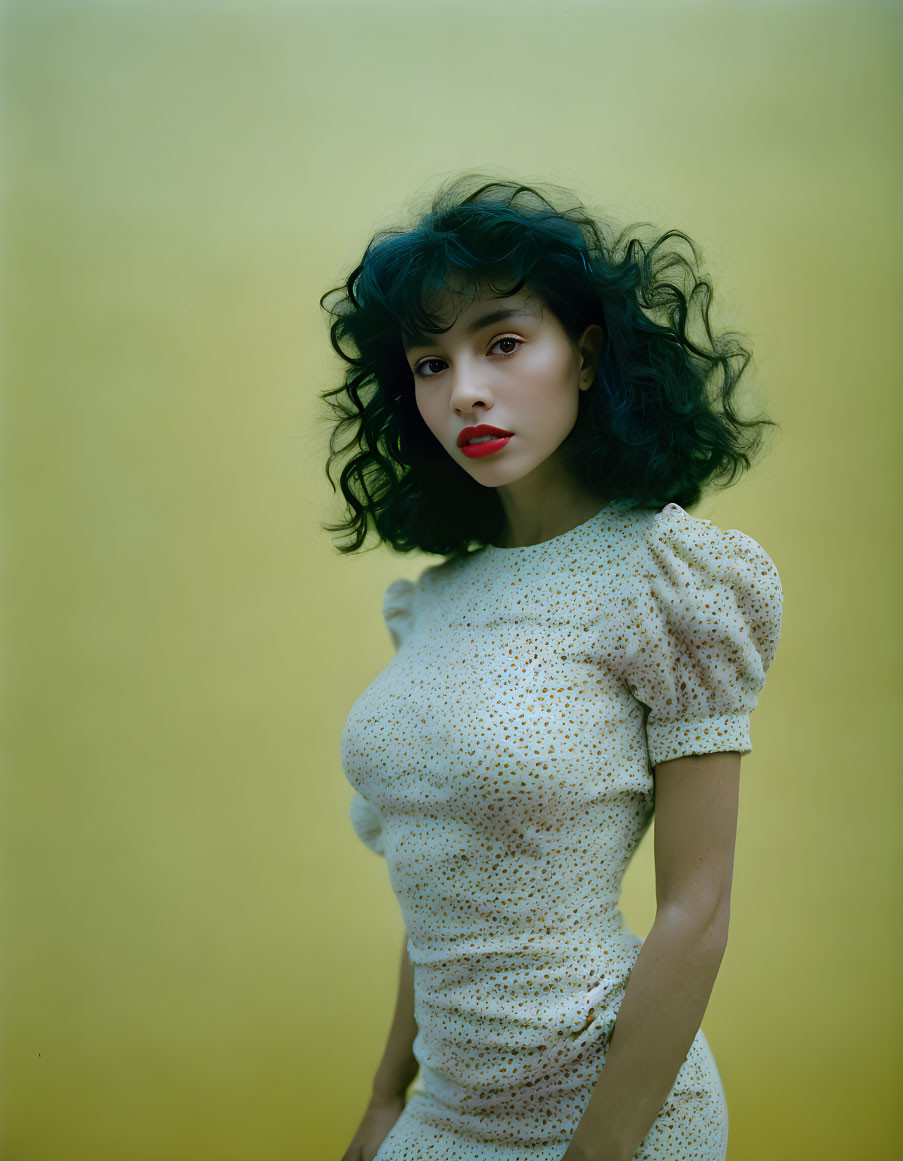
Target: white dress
x=502 y=765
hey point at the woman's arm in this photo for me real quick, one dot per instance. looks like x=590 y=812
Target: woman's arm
x=696 y=800
x=398 y=1066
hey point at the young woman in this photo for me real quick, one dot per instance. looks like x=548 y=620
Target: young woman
x=524 y=400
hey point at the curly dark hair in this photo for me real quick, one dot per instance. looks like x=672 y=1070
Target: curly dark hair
x=653 y=428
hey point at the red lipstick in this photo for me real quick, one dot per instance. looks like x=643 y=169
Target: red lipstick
x=484 y=447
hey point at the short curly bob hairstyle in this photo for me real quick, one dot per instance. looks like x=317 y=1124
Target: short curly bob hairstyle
x=654 y=427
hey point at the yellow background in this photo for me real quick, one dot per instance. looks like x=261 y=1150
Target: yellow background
x=199 y=957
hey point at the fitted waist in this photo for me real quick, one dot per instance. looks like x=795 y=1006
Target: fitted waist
x=491 y=1036
x=522 y=991
x=545 y=938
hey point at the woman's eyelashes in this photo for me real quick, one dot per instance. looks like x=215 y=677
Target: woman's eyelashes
x=419 y=367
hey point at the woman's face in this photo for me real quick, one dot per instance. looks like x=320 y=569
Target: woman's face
x=506 y=362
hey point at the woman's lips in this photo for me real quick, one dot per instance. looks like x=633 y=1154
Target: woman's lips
x=485 y=447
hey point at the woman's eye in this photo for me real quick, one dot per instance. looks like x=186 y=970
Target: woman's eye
x=420 y=368
x=507 y=339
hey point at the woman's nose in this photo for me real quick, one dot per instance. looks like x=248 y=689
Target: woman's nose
x=469 y=386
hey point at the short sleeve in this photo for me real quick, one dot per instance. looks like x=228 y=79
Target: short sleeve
x=398 y=609
x=703 y=621
x=366 y=823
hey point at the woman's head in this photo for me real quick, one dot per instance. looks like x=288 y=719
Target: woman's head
x=505 y=361
x=592 y=384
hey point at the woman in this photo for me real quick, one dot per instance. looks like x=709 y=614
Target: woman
x=525 y=401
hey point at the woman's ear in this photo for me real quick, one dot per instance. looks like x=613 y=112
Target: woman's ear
x=589 y=348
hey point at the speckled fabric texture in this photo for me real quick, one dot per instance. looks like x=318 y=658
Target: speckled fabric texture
x=502 y=766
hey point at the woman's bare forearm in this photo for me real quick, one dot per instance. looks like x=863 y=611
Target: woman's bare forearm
x=398 y=1066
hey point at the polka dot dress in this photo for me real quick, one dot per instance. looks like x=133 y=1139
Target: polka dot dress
x=502 y=766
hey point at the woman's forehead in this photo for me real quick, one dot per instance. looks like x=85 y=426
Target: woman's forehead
x=449 y=305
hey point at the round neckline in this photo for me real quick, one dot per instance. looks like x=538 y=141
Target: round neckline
x=499 y=550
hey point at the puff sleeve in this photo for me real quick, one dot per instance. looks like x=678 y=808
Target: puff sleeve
x=398 y=609
x=704 y=618
x=366 y=823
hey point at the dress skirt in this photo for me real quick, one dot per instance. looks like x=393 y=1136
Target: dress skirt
x=537 y=1121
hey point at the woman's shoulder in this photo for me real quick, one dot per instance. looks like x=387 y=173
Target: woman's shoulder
x=692 y=579
x=677 y=545
x=403 y=596
x=398 y=608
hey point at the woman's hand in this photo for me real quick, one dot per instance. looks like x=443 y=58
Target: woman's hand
x=379 y=1117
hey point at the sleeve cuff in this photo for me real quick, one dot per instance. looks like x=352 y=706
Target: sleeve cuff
x=725 y=732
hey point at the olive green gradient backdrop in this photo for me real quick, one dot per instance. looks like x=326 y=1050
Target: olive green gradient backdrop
x=199 y=957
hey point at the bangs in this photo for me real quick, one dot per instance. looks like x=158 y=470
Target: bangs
x=412 y=277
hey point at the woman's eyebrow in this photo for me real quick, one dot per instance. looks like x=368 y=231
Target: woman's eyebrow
x=419 y=340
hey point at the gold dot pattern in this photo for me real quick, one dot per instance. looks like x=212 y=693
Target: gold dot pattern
x=502 y=766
